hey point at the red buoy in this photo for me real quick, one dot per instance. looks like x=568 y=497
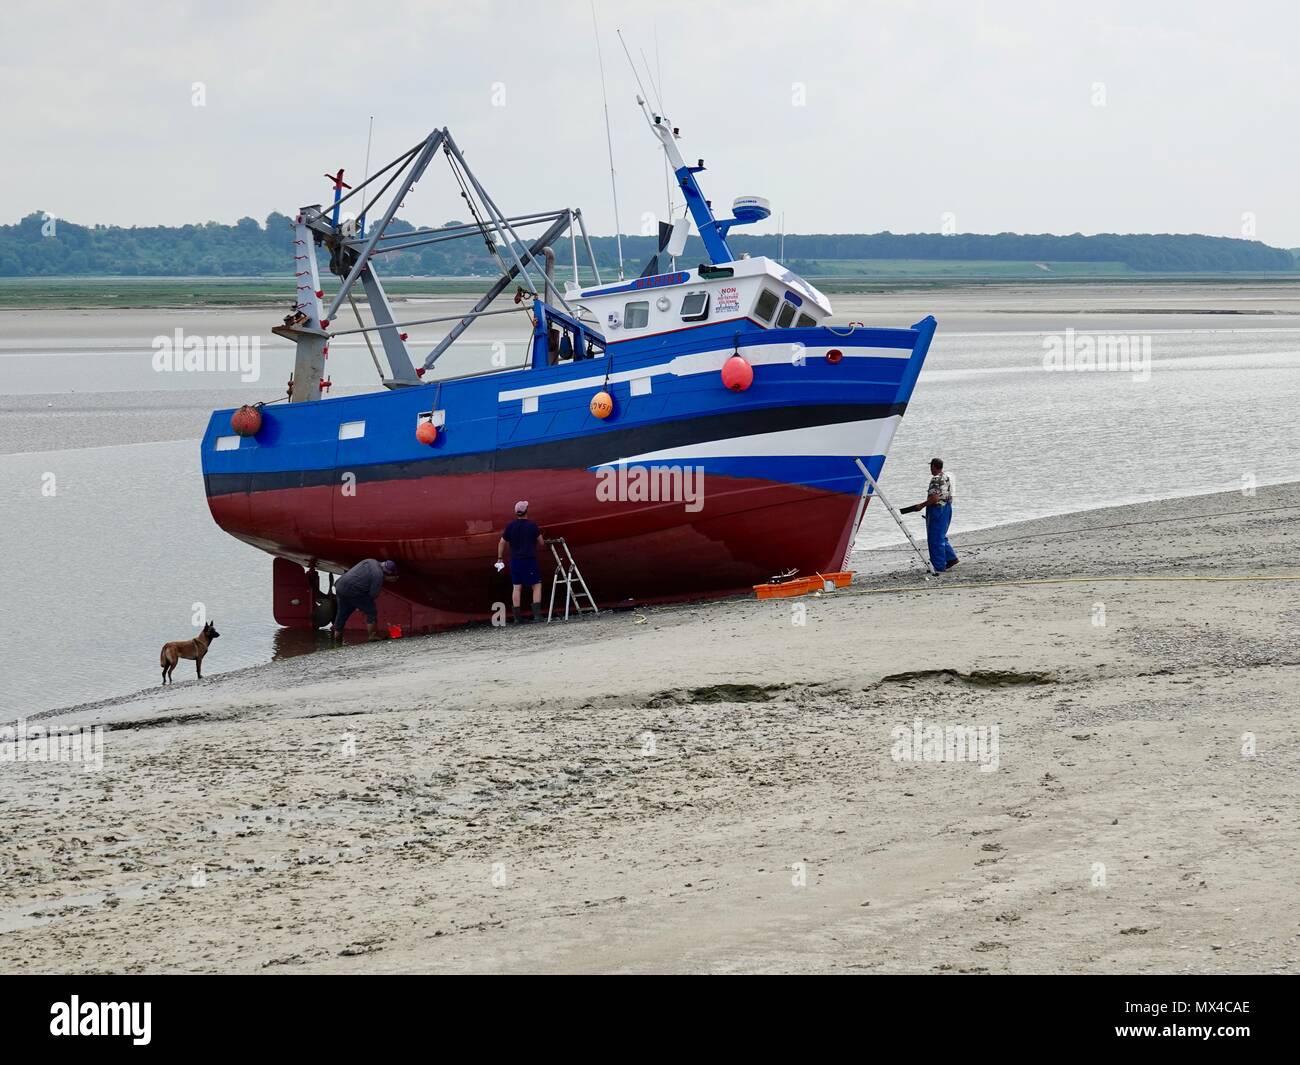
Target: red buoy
x=834 y=355
x=247 y=421
x=426 y=433
x=737 y=374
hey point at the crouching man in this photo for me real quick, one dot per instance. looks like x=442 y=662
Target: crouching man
x=357 y=590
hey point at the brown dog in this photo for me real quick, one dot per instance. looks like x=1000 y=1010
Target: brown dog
x=196 y=648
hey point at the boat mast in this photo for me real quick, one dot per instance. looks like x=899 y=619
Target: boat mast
x=712 y=231
x=370 y=136
x=609 y=143
x=655 y=82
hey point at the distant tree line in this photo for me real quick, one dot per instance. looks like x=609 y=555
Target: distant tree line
x=38 y=246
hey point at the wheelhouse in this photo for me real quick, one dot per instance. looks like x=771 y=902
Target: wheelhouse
x=758 y=292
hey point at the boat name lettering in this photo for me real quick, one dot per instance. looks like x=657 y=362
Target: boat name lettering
x=660 y=280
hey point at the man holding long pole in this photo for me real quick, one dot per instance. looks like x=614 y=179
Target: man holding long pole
x=938 y=516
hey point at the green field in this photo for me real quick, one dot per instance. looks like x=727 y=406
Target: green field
x=151 y=292
x=830 y=275
x=880 y=275
x=947 y=268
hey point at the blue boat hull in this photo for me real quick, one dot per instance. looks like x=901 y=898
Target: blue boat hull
x=686 y=490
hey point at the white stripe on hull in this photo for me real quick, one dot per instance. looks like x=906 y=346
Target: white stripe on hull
x=706 y=362
x=841 y=439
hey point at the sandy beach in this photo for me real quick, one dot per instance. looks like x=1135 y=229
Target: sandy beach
x=721 y=787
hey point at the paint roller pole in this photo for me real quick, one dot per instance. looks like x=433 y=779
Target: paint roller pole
x=875 y=490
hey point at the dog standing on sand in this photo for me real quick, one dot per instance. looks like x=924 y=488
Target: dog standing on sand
x=196 y=648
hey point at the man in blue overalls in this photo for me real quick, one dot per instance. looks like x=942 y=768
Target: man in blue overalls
x=938 y=516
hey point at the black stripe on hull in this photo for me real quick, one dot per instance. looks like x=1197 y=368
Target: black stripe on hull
x=592 y=449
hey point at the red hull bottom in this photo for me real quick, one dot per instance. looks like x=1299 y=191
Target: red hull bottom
x=443 y=532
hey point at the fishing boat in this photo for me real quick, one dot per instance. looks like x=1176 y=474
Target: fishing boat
x=689 y=432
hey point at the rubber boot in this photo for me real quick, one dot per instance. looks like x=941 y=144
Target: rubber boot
x=515 y=611
x=335 y=635
x=537 y=611
x=371 y=634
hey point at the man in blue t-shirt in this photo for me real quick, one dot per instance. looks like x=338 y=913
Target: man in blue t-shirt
x=524 y=539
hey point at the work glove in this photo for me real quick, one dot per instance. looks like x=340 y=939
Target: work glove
x=500 y=565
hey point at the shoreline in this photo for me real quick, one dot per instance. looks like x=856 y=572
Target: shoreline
x=715 y=786
x=876 y=562
x=100 y=293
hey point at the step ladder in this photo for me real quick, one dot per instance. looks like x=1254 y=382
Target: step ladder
x=568 y=574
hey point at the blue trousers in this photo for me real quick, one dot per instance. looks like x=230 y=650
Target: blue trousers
x=348 y=605
x=937 y=520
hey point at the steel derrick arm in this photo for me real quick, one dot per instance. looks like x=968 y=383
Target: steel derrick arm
x=562 y=223
x=352 y=256
x=414 y=173
x=308 y=327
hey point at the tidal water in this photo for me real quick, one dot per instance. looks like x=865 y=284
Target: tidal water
x=107 y=548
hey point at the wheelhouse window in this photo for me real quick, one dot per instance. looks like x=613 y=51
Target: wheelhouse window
x=766 y=305
x=695 y=307
x=805 y=320
x=636 y=315
x=786 y=316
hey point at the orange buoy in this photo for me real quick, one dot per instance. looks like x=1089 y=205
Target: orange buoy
x=247 y=421
x=737 y=374
x=426 y=433
x=602 y=405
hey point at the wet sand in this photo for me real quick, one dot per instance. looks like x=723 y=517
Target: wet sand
x=714 y=788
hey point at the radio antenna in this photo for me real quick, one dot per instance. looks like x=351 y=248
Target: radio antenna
x=636 y=75
x=668 y=182
x=370 y=135
x=646 y=63
x=609 y=141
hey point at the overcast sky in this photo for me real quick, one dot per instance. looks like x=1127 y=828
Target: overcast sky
x=849 y=116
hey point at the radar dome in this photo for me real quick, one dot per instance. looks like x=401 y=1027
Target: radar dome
x=751 y=208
